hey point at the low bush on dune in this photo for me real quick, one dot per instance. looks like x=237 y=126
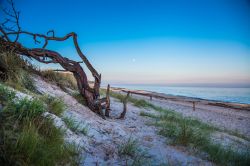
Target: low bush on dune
x=29 y=138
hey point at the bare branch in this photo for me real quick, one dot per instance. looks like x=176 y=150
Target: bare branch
x=125 y=101
x=51 y=31
x=43 y=55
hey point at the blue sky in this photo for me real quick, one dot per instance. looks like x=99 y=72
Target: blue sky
x=151 y=41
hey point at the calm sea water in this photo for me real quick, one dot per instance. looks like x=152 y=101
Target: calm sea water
x=236 y=95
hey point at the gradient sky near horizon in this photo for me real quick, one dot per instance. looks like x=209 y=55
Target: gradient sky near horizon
x=151 y=41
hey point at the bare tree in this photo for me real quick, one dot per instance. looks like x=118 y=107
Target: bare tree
x=10 y=31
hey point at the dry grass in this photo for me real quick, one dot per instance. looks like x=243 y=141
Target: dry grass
x=15 y=72
x=62 y=79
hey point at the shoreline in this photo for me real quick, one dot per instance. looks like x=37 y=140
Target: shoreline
x=179 y=98
x=233 y=117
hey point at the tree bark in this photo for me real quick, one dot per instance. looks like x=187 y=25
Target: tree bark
x=125 y=101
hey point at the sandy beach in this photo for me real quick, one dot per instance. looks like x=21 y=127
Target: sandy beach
x=228 y=116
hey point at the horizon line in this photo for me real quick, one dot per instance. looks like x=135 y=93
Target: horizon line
x=215 y=85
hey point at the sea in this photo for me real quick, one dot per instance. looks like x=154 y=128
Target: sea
x=225 y=94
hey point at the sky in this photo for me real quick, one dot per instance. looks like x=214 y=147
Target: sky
x=150 y=41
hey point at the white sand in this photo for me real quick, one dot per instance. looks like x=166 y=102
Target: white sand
x=104 y=136
x=100 y=145
x=224 y=118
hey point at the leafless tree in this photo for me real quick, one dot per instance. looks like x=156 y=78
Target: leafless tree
x=10 y=31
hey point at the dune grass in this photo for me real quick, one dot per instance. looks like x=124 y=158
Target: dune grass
x=15 y=72
x=6 y=95
x=54 y=105
x=75 y=126
x=62 y=79
x=190 y=132
x=29 y=138
x=129 y=147
x=134 y=156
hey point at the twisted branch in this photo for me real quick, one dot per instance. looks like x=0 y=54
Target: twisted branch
x=43 y=55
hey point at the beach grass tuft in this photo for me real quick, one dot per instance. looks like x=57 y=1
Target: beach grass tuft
x=133 y=154
x=54 y=105
x=75 y=126
x=129 y=147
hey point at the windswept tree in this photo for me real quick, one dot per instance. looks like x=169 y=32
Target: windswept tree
x=10 y=31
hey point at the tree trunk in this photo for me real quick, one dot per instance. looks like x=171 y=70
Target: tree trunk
x=91 y=95
x=10 y=32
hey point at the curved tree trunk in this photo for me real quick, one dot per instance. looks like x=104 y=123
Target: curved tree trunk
x=91 y=95
x=10 y=32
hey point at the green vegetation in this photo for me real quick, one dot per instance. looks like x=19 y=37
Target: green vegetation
x=29 y=138
x=55 y=105
x=137 y=157
x=62 y=79
x=136 y=102
x=128 y=148
x=190 y=132
x=6 y=95
x=79 y=98
x=75 y=126
x=14 y=71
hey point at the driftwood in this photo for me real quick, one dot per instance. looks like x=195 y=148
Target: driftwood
x=125 y=101
x=9 y=38
x=107 y=109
